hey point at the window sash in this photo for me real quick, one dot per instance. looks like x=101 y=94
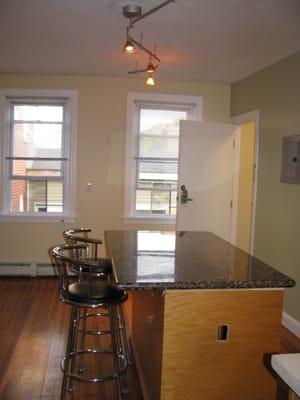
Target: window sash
x=9 y=158
x=12 y=121
x=168 y=160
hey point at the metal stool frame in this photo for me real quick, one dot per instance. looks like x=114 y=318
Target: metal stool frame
x=65 y=264
x=81 y=236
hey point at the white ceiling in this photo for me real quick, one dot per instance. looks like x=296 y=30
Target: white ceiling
x=207 y=40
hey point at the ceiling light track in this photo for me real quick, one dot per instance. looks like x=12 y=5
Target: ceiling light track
x=134 y=13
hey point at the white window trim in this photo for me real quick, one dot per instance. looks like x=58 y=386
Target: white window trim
x=130 y=173
x=70 y=142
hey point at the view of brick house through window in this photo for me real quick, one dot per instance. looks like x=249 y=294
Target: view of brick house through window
x=36 y=158
x=157 y=160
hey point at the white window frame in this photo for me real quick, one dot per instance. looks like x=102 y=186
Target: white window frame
x=131 y=131
x=69 y=140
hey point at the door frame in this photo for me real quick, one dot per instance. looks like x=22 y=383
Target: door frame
x=252 y=116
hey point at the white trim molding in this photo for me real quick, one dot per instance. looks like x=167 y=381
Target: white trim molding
x=30 y=269
x=252 y=116
x=291 y=323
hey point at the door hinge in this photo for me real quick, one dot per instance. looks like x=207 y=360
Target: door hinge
x=231 y=204
x=233 y=143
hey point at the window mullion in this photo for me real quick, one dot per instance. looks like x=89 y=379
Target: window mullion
x=36 y=178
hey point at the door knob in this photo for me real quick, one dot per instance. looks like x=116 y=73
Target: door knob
x=184 y=196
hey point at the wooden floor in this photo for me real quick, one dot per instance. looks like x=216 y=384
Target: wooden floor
x=33 y=328
x=33 y=332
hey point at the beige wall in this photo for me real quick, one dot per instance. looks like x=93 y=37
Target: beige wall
x=100 y=154
x=275 y=91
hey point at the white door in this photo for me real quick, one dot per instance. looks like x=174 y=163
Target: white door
x=206 y=165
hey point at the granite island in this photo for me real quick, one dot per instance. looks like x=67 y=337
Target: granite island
x=203 y=315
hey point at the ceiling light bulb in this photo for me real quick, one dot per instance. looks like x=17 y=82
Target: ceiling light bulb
x=150 y=68
x=150 y=81
x=128 y=47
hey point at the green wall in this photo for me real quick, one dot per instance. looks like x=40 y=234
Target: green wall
x=275 y=92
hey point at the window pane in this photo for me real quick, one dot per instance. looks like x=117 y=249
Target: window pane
x=46 y=113
x=173 y=207
x=158 y=147
x=36 y=196
x=161 y=122
x=154 y=202
x=37 y=140
x=157 y=175
x=143 y=201
x=37 y=168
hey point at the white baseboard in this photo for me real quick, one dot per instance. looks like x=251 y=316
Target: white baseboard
x=30 y=269
x=291 y=323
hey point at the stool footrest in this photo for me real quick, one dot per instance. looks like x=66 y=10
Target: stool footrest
x=95 y=379
x=95 y=314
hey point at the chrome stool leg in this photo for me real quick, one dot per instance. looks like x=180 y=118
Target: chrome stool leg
x=122 y=349
x=126 y=345
x=68 y=361
x=73 y=347
x=82 y=339
x=115 y=349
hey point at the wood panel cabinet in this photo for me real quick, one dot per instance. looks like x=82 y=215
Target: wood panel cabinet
x=176 y=339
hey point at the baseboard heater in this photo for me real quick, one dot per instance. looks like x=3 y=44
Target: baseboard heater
x=30 y=269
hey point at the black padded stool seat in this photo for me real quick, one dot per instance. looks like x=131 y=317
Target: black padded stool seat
x=99 y=292
x=100 y=265
x=90 y=266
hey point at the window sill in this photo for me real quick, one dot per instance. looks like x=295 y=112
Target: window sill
x=36 y=218
x=143 y=219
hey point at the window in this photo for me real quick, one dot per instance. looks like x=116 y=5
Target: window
x=152 y=154
x=38 y=154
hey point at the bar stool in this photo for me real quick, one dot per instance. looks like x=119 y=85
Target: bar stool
x=100 y=267
x=90 y=291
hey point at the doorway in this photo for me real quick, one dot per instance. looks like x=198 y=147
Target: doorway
x=245 y=181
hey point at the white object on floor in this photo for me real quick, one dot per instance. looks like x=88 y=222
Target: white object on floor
x=287 y=367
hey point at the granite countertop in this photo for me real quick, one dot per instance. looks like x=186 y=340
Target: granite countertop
x=166 y=260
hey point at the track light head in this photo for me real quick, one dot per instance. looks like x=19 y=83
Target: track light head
x=128 y=47
x=150 y=68
x=150 y=80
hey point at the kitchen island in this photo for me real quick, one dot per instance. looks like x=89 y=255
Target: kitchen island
x=204 y=316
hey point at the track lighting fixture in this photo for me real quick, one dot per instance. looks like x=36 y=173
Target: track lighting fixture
x=150 y=81
x=134 y=13
x=150 y=68
x=128 y=47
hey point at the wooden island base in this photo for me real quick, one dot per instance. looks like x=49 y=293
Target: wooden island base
x=175 y=336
